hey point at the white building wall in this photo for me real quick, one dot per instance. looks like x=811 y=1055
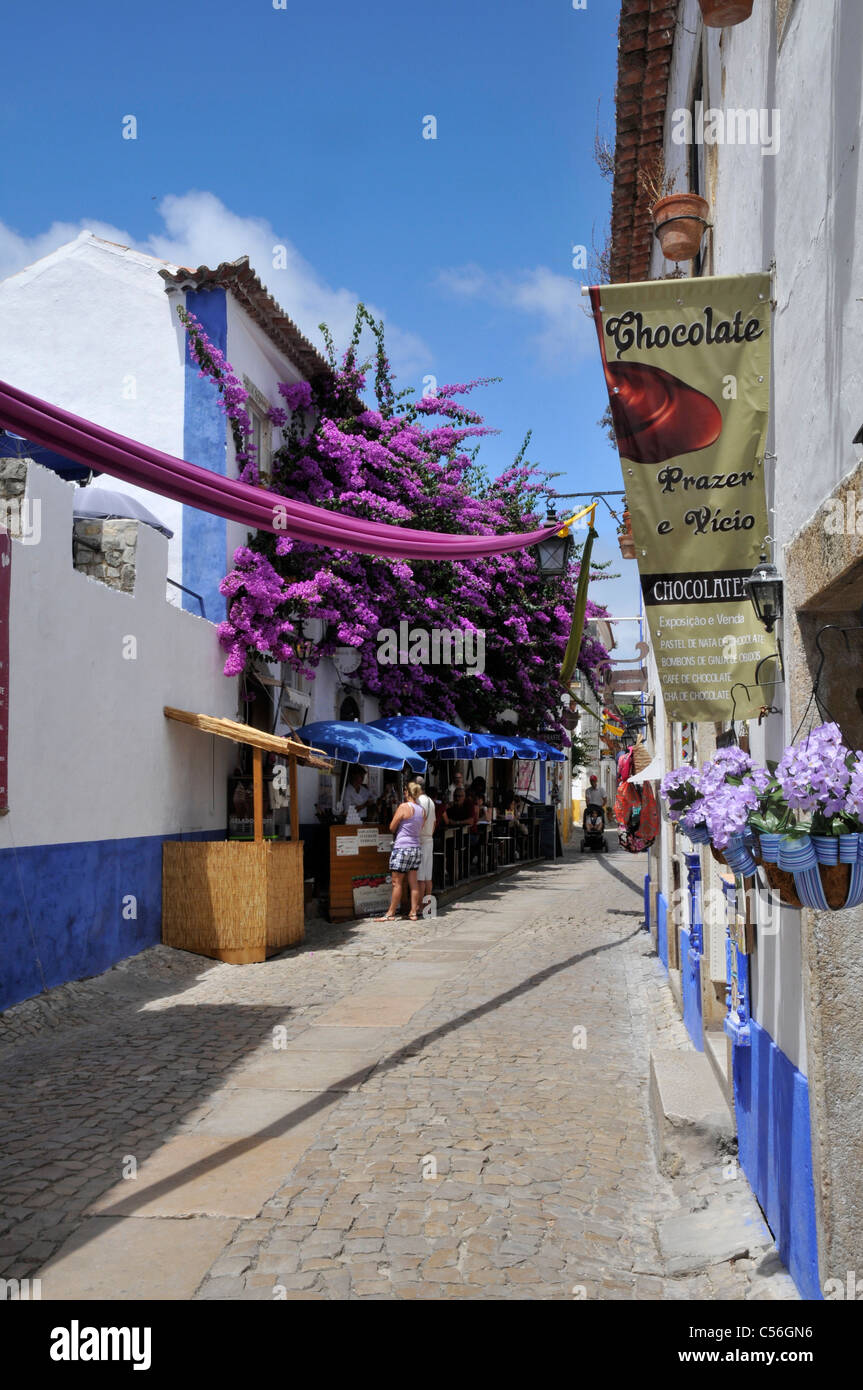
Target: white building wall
x=251 y=353
x=91 y=755
x=797 y=207
x=89 y=328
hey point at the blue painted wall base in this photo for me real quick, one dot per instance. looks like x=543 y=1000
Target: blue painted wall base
x=771 y=1101
x=662 y=928
x=68 y=909
x=690 y=984
x=205 y=537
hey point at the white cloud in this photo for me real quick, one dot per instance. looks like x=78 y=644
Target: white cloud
x=201 y=230
x=562 y=333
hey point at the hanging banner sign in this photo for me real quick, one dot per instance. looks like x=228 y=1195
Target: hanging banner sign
x=687 y=365
x=5 y=590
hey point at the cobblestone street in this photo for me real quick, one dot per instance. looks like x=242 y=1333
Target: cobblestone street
x=455 y=1108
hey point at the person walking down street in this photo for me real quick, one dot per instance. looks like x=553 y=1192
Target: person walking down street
x=406 y=854
x=426 y=867
x=595 y=798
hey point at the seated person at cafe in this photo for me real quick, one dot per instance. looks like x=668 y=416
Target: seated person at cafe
x=512 y=814
x=460 y=810
x=457 y=781
x=481 y=816
x=356 y=795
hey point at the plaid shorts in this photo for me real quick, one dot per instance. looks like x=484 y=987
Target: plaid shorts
x=402 y=860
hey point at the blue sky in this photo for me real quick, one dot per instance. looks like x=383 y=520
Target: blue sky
x=303 y=127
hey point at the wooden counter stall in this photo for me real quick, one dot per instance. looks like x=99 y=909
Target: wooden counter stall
x=238 y=901
x=359 y=871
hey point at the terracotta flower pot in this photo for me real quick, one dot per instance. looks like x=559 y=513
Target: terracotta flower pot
x=719 y=14
x=627 y=545
x=680 y=239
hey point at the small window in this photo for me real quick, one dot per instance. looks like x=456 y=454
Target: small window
x=349 y=710
x=257 y=407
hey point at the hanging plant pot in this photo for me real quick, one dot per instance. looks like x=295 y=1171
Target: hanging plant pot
x=680 y=221
x=627 y=545
x=721 y=14
x=802 y=881
x=782 y=884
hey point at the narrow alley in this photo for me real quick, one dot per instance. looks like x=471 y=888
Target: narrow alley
x=455 y=1108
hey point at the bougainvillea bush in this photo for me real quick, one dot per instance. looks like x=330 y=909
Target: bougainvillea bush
x=410 y=462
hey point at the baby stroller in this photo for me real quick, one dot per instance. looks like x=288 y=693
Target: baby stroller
x=593 y=830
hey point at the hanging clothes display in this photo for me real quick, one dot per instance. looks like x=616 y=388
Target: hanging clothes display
x=636 y=810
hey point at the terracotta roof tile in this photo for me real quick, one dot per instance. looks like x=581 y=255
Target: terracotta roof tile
x=238 y=277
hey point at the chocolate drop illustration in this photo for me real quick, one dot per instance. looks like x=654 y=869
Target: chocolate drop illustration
x=656 y=415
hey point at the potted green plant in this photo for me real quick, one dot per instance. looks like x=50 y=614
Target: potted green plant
x=721 y=14
x=680 y=219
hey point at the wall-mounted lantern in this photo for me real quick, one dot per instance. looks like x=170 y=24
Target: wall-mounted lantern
x=764 y=587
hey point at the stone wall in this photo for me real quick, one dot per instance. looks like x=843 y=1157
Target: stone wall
x=105 y=550
x=13 y=479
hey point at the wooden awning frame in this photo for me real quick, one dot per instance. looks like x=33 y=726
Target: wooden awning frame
x=260 y=743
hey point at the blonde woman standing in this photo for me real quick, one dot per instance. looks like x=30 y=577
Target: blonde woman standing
x=405 y=857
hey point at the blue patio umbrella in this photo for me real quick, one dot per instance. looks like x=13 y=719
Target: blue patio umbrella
x=361 y=743
x=12 y=446
x=480 y=746
x=426 y=735
x=512 y=747
x=545 y=751
x=489 y=746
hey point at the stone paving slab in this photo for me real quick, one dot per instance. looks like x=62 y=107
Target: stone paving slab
x=127 y=1258
x=304 y=1069
x=274 y=1113
x=323 y=1037
x=374 y=1010
x=204 y=1175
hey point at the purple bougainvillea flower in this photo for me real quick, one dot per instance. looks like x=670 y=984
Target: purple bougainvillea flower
x=389 y=460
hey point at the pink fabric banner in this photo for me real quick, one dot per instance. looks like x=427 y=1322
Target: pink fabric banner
x=255 y=507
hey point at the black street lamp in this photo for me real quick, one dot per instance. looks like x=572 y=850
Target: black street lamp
x=764 y=587
x=553 y=555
